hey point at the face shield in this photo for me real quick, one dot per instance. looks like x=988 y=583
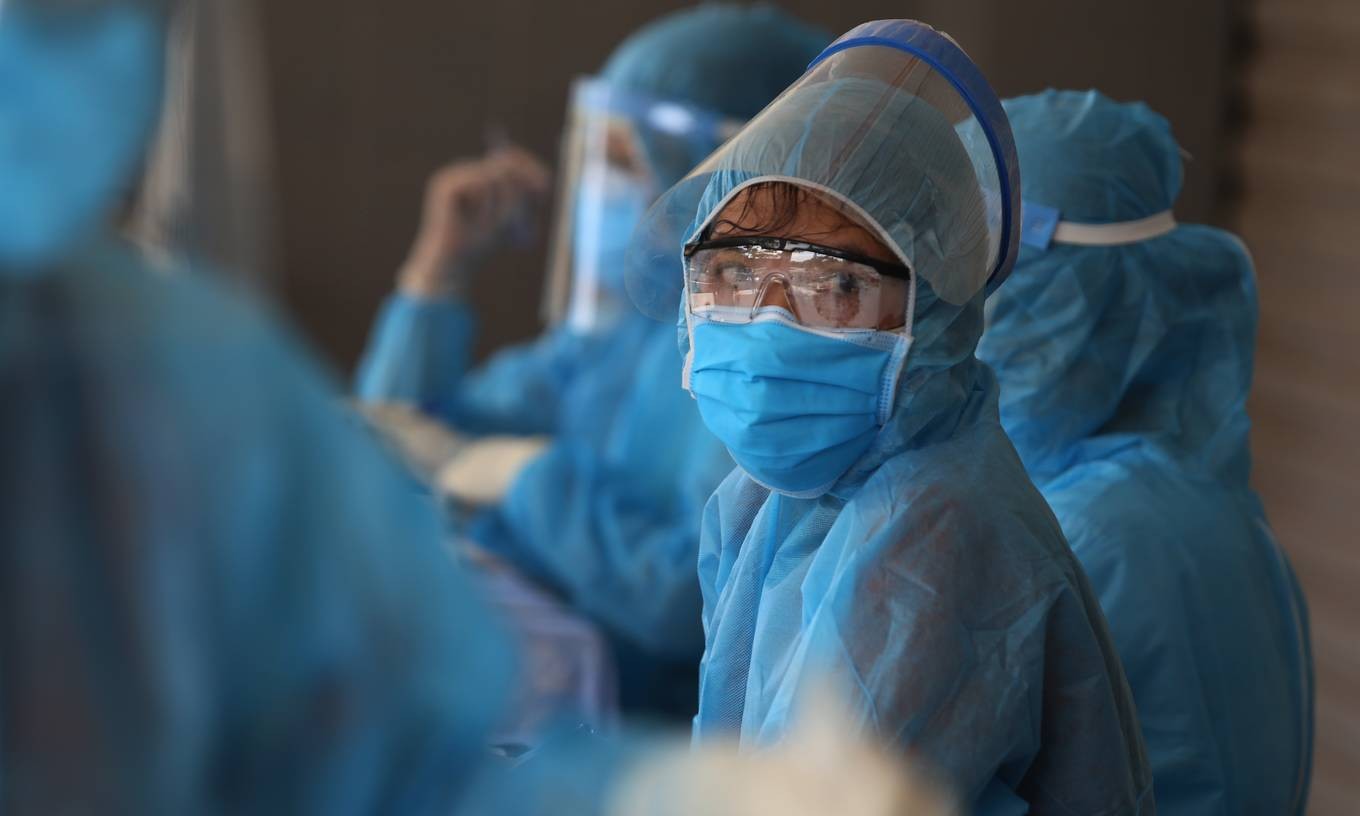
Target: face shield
x=893 y=123
x=207 y=190
x=620 y=151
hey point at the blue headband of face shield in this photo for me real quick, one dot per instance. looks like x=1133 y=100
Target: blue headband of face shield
x=944 y=56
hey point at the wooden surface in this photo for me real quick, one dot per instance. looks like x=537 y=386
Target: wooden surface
x=1300 y=214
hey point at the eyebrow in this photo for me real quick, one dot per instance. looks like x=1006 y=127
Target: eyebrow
x=892 y=269
x=855 y=239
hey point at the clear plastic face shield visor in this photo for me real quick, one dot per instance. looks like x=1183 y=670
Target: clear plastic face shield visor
x=894 y=125
x=620 y=150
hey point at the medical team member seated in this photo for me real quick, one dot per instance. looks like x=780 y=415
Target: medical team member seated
x=608 y=515
x=880 y=527
x=1123 y=344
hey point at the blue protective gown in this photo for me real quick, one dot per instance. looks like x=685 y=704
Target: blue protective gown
x=1124 y=373
x=932 y=583
x=608 y=515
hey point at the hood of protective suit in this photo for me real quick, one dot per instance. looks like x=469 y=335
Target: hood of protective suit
x=1098 y=348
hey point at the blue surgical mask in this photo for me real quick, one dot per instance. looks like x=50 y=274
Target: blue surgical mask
x=796 y=407
x=604 y=223
x=604 y=228
x=79 y=96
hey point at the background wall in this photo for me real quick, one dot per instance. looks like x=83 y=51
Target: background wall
x=1299 y=212
x=369 y=98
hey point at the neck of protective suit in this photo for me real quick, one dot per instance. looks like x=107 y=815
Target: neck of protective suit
x=1142 y=343
x=80 y=89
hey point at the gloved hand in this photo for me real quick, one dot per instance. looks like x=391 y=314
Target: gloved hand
x=470 y=206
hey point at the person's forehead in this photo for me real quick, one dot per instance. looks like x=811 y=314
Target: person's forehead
x=815 y=217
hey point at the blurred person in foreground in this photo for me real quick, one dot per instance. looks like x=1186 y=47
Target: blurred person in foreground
x=200 y=607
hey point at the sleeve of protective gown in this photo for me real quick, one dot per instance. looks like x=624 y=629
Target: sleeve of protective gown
x=1198 y=660
x=593 y=533
x=974 y=656
x=613 y=523
x=1163 y=660
x=420 y=353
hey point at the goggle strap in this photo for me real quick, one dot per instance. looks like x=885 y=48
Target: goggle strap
x=1043 y=226
x=775 y=244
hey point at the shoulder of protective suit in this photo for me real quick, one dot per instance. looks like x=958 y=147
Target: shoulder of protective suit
x=1138 y=495
x=958 y=506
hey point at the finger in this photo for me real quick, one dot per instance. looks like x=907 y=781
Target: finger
x=510 y=196
x=529 y=172
x=449 y=194
x=524 y=169
x=485 y=216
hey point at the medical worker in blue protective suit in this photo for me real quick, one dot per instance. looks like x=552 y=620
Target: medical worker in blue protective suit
x=200 y=607
x=881 y=530
x=1123 y=345
x=608 y=515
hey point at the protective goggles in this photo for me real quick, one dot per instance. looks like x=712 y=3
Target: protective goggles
x=728 y=279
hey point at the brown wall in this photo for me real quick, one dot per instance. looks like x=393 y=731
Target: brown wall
x=370 y=97
x=1300 y=216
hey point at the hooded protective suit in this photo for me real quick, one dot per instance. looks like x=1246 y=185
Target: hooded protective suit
x=1124 y=373
x=930 y=580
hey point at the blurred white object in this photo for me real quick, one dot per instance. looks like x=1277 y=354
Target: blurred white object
x=426 y=444
x=207 y=193
x=820 y=767
x=472 y=472
x=482 y=471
